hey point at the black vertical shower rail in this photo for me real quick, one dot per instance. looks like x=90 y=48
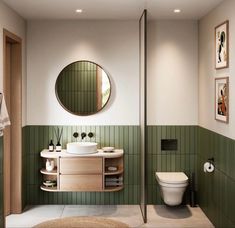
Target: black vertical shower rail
x=143 y=111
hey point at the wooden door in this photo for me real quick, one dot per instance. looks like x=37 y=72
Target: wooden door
x=12 y=161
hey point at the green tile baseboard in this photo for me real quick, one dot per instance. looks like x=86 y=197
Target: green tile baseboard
x=36 y=138
x=216 y=190
x=182 y=160
x=195 y=146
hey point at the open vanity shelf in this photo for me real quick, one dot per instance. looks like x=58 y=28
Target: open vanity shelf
x=49 y=189
x=116 y=176
x=50 y=175
x=84 y=172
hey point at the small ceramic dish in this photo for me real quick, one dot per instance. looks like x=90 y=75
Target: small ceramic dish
x=112 y=168
x=49 y=183
x=108 y=149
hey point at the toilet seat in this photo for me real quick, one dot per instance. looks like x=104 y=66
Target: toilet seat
x=181 y=185
x=172 y=178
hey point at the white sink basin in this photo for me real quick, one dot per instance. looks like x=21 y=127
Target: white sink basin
x=82 y=147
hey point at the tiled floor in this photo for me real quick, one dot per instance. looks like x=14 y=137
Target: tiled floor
x=158 y=216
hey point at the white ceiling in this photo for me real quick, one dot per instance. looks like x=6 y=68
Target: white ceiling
x=111 y=9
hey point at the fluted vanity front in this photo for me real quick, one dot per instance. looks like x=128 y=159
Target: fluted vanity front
x=99 y=171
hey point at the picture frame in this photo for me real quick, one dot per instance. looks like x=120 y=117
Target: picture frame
x=222 y=99
x=222 y=45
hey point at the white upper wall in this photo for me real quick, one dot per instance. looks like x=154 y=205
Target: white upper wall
x=51 y=45
x=207 y=72
x=15 y=24
x=172 y=72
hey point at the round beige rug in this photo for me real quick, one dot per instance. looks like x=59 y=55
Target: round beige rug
x=82 y=222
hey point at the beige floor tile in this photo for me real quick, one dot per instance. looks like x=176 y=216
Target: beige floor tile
x=182 y=216
x=158 y=216
x=34 y=215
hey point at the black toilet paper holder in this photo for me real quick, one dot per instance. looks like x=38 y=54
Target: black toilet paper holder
x=211 y=161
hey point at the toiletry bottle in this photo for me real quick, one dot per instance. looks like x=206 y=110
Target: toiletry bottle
x=48 y=165
x=51 y=146
x=52 y=164
x=58 y=147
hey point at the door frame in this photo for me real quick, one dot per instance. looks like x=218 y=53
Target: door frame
x=15 y=93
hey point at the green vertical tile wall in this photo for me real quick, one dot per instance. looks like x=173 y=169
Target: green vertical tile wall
x=1 y=182
x=36 y=138
x=127 y=137
x=24 y=165
x=182 y=160
x=216 y=190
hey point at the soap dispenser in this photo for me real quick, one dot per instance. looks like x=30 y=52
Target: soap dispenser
x=58 y=134
x=58 y=147
x=51 y=146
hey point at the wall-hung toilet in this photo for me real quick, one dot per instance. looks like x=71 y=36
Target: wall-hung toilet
x=172 y=186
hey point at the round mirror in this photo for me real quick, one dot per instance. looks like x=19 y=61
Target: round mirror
x=83 y=88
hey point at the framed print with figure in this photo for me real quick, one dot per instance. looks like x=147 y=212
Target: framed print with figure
x=222 y=99
x=222 y=45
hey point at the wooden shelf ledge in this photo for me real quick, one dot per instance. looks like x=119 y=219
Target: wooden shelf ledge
x=113 y=188
x=113 y=172
x=49 y=189
x=53 y=172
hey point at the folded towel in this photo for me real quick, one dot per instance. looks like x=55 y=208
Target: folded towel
x=114 y=179
x=113 y=183
x=4 y=118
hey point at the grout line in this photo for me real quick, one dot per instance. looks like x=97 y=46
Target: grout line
x=62 y=211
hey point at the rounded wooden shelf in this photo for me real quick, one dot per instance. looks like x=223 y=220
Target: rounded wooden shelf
x=49 y=189
x=113 y=172
x=71 y=169
x=113 y=188
x=53 y=172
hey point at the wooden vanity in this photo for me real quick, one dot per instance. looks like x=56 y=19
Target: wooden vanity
x=84 y=172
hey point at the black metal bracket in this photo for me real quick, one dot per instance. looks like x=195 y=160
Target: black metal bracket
x=211 y=160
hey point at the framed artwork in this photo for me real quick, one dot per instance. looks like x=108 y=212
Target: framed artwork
x=222 y=45
x=222 y=99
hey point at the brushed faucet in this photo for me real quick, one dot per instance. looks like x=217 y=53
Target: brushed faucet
x=83 y=135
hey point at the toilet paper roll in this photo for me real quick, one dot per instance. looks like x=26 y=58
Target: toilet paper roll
x=209 y=167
